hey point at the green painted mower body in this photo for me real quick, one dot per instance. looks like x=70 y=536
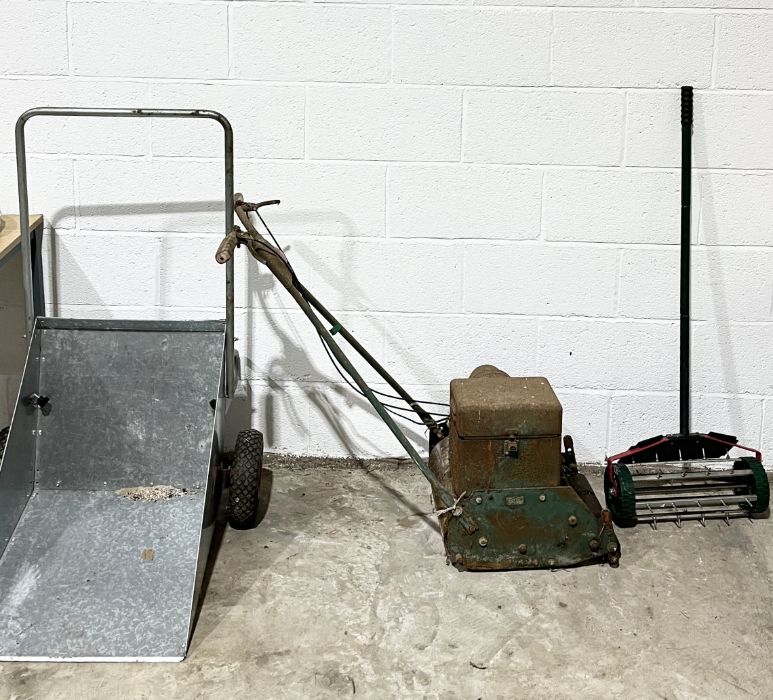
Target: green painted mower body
x=532 y=507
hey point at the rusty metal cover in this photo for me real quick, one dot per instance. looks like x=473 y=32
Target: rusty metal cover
x=493 y=404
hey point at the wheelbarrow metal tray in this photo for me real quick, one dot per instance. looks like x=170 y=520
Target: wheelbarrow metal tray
x=108 y=493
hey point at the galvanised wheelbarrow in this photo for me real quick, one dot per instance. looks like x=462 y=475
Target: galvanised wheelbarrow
x=108 y=489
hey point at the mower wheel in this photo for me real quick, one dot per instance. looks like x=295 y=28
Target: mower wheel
x=621 y=501
x=246 y=470
x=3 y=440
x=758 y=485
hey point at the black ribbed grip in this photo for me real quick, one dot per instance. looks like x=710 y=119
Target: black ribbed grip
x=687 y=105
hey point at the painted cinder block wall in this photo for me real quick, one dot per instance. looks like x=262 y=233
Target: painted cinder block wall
x=463 y=183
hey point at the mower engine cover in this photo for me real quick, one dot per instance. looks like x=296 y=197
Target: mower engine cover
x=503 y=452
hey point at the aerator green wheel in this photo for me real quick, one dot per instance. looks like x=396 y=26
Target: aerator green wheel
x=758 y=485
x=246 y=471
x=620 y=495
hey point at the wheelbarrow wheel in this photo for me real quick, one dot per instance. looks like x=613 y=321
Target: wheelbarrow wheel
x=246 y=470
x=3 y=440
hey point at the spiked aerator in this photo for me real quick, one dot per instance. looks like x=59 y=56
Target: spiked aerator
x=685 y=476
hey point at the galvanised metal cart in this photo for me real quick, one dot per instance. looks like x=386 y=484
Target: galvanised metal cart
x=108 y=489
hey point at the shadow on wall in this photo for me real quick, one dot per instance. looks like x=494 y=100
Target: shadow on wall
x=340 y=424
x=257 y=287
x=108 y=210
x=239 y=410
x=722 y=325
x=340 y=277
x=349 y=437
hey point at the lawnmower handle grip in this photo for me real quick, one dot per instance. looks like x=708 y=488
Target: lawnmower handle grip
x=687 y=105
x=225 y=250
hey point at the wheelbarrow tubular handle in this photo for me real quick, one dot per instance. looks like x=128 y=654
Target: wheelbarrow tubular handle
x=684 y=277
x=280 y=270
x=21 y=173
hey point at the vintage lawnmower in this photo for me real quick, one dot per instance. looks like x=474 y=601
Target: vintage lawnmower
x=686 y=475
x=506 y=495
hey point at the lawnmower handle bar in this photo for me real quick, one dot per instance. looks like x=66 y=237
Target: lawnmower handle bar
x=225 y=252
x=21 y=174
x=267 y=254
x=226 y=248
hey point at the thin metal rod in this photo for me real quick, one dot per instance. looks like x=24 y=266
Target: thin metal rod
x=698 y=502
x=684 y=303
x=680 y=490
x=678 y=517
x=21 y=174
x=664 y=478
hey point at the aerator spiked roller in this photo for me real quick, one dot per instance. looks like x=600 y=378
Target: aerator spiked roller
x=686 y=475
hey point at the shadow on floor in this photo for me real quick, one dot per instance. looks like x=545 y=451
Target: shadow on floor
x=221 y=526
x=427 y=516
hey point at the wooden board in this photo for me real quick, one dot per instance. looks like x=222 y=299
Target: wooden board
x=10 y=232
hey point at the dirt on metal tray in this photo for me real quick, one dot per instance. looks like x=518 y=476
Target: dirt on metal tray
x=151 y=494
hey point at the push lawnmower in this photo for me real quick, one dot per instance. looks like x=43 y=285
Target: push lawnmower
x=506 y=495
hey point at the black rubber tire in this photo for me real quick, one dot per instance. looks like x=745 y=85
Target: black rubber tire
x=758 y=485
x=3 y=440
x=246 y=472
x=622 y=504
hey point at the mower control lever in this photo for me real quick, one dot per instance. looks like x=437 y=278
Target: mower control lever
x=249 y=206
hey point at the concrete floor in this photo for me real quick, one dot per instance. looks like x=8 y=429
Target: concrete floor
x=343 y=589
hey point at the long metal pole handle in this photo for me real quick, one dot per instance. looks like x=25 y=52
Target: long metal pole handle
x=21 y=173
x=684 y=302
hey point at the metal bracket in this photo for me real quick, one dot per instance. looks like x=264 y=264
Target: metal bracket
x=43 y=403
x=511 y=446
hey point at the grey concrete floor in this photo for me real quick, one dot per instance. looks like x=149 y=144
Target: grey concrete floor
x=343 y=590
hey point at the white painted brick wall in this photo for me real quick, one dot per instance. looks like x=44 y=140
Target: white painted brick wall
x=141 y=39
x=273 y=127
x=744 y=43
x=462 y=181
x=310 y=42
x=383 y=123
x=46 y=20
x=620 y=206
x=538 y=279
x=501 y=126
x=471 y=46
x=463 y=201
x=637 y=49
x=731 y=213
x=735 y=129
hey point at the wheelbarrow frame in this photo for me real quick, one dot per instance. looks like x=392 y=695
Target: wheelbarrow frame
x=102 y=530
x=228 y=204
